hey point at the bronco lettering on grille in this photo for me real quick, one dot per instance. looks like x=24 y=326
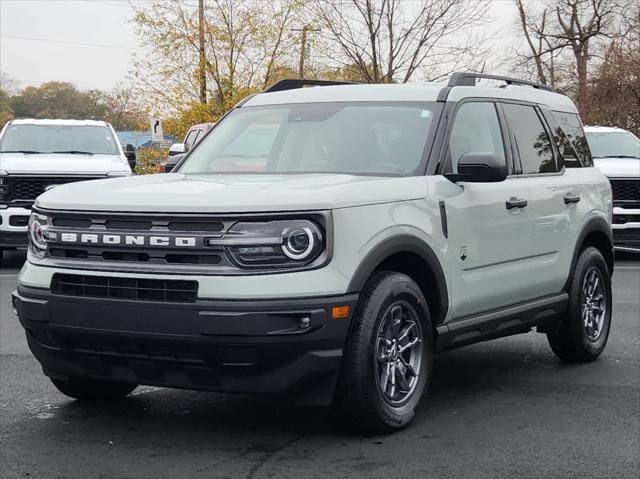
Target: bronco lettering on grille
x=129 y=240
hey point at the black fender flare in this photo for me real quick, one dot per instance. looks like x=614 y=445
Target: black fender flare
x=402 y=244
x=595 y=224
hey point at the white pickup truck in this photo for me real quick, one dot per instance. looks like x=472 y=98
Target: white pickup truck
x=616 y=152
x=37 y=155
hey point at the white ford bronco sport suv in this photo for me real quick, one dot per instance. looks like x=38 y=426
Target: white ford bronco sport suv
x=37 y=155
x=324 y=243
x=616 y=152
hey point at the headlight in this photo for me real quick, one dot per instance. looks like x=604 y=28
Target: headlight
x=281 y=243
x=38 y=233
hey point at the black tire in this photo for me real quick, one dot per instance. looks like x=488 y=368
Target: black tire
x=93 y=390
x=573 y=341
x=360 y=396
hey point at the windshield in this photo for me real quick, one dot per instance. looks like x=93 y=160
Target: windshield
x=353 y=138
x=615 y=144
x=70 y=139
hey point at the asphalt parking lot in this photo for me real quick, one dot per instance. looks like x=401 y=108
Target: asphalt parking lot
x=505 y=408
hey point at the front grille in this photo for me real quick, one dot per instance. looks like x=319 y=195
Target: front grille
x=23 y=190
x=626 y=190
x=178 y=291
x=147 y=256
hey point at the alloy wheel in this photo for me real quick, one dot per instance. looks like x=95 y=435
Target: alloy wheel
x=398 y=353
x=594 y=304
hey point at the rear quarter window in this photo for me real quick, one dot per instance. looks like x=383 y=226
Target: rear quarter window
x=572 y=141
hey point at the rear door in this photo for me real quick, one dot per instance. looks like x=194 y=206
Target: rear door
x=555 y=196
x=489 y=237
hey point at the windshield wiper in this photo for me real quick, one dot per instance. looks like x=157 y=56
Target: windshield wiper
x=617 y=156
x=26 y=152
x=74 y=152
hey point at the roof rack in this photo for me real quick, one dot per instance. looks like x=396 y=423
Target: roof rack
x=469 y=79
x=294 y=83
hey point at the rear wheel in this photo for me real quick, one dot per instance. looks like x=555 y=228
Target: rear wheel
x=388 y=358
x=95 y=390
x=584 y=328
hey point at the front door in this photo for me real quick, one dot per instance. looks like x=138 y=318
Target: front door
x=489 y=224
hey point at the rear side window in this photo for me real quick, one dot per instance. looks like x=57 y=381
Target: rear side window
x=531 y=139
x=573 y=143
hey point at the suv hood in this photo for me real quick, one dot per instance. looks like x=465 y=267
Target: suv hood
x=173 y=193
x=61 y=164
x=618 y=167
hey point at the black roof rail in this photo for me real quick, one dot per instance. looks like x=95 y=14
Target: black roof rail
x=469 y=79
x=294 y=83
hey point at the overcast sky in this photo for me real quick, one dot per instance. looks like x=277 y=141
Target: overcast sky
x=91 y=42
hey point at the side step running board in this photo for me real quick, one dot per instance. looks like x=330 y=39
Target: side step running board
x=514 y=319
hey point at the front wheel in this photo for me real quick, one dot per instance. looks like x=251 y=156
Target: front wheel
x=94 y=390
x=584 y=327
x=389 y=355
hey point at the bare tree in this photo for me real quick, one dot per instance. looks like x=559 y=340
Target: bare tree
x=580 y=22
x=390 y=40
x=9 y=85
x=565 y=31
x=535 y=34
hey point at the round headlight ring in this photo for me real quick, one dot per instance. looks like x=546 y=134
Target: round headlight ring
x=296 y=252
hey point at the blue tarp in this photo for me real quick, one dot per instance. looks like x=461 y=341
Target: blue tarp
x=140 y=139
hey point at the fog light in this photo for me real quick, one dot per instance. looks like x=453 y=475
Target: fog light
x=305 y=322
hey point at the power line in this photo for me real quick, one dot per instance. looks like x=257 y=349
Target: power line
x=65 y=42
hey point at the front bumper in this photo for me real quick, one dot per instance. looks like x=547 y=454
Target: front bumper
x=260 y=347
x=626 y=229
x=13 y=227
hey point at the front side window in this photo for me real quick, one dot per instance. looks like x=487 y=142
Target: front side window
x=476 y=129
x=29 y=138
x=531 y=139
x=351 y=138
x=614 y=144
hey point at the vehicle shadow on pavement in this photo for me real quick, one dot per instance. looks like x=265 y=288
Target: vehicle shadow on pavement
x=459 y=378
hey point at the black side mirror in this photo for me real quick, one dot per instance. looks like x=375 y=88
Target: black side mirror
x=130 y=154
x=480 y=168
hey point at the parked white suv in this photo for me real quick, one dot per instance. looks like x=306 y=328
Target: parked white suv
x=37 y=155
x=324 y=243
x=616 y=152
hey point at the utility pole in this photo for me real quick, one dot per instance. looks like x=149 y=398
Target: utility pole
x=303 y=46
x=202 y=67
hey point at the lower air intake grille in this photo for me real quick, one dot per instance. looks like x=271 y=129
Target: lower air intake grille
x=176 y=291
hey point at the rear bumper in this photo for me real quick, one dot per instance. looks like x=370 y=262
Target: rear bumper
x=260 y=347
